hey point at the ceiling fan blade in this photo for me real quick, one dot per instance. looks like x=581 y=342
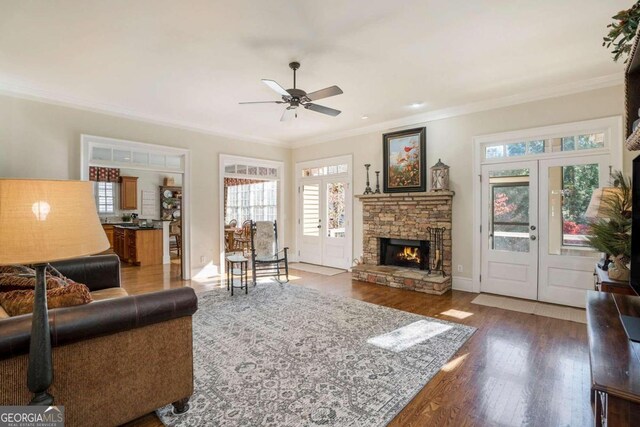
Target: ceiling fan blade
x=324 y=93
x=288 y=114
x=276 y=87
x=322 y=109
x=262 y=102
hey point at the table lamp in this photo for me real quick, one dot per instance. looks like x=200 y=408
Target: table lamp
x=598 y=209
x=43 y=221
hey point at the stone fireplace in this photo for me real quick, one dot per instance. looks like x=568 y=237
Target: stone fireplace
x=397 y=250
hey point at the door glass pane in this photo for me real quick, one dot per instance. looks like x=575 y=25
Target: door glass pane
x=509 y=229
x=570 y=190
x=335 y=209
x=311 y=210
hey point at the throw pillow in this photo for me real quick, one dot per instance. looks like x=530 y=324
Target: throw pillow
x=21 y=277
x=20 y=302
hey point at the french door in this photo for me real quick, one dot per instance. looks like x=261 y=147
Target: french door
x=324 y=227
x=534 y=227
x=510 y=218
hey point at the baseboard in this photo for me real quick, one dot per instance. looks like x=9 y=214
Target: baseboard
x=462 y=284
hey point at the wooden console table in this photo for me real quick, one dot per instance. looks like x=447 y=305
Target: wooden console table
x=603 y=283
x=615 y=361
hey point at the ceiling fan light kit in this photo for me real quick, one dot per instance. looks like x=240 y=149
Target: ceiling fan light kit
x=297 y=97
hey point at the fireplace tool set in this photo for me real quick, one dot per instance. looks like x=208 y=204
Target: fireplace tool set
x=436 y=249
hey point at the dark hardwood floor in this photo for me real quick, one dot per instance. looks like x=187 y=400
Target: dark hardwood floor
x=517 y=369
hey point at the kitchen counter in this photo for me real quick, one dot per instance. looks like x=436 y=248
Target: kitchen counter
x=136 y=227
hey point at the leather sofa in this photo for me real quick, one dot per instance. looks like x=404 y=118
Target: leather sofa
x=114 y=359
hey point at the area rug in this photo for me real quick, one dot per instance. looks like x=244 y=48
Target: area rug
x=318 y=269
x=532 y=307
x=285 y=355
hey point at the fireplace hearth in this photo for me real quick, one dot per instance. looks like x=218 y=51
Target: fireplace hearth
x=405 y=253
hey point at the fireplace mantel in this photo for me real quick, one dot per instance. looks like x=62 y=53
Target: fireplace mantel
x=405 y=216
x=430 y=195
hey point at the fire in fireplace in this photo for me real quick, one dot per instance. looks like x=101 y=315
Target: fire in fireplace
x=405 y=253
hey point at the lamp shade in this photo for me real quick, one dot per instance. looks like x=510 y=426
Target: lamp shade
x=598 y=209
x=43 y=221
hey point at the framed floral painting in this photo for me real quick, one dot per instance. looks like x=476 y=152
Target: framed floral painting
x=405 y=159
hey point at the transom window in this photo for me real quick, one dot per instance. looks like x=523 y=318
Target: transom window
x=541 y=146
x=105 y=197
x=250 y=170
x=325 y=170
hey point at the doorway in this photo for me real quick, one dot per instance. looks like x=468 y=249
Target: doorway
x=138 y=203
x=534 y=196
x=324 y=212
x=250 y=190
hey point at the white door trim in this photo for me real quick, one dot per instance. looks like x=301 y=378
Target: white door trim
x=87 y=141
x=328 y=161
x=611 y=126
x=252 y=161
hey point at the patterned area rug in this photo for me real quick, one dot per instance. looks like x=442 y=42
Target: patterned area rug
x=284 y=355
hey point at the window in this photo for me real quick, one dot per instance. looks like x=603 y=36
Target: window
x=325 y=170
x=256 y=201
x=510 y=210
x=587 y=141
x=105 y=197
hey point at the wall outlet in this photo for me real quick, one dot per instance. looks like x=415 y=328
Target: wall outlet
x=202 y=260
x=459 y=268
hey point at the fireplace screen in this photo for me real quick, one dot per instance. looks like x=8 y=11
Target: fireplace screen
x=405 y=253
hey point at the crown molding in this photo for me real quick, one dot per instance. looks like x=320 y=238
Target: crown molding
x=40 y=95
x=475 y=107
x=33 y=94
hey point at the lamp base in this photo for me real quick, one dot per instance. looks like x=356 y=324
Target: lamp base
x=40 y=368
x=42 y=399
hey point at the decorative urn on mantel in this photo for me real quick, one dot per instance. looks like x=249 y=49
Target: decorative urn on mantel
x=439 y=177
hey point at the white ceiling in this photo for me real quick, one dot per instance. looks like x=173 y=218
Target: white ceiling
x=189 y=63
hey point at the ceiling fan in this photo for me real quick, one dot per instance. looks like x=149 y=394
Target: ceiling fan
x=297 y=97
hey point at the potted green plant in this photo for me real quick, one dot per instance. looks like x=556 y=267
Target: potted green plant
x=610 y=232
x=622 y=32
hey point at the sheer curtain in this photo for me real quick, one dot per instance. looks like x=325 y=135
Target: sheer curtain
x=256 y=201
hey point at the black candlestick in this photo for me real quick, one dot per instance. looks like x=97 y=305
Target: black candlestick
x=367 y=189
x=377 y=183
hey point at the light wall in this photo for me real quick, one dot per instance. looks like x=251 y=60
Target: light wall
x=451 y=140
x=40 y=140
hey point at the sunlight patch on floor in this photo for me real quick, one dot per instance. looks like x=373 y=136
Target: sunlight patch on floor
x=453 y=364
x=408 y=336
x=458 y=314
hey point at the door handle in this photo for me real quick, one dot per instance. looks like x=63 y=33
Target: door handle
x=532 y=237
x=533 y=227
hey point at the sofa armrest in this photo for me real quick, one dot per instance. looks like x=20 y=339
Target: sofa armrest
x=83 y=322
x=97 y=272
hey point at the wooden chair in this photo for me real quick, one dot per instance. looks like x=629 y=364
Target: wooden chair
x=233 y=223
x=267 y=260
x=175 y=238
x=242 y=239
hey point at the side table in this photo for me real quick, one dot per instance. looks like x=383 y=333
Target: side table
x=243 y=264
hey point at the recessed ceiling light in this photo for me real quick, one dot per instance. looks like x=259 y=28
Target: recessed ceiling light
x=417 y=104
x=365 y=117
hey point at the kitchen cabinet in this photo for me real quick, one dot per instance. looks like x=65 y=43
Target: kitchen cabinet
x=108 y=230
x=128 y=193
x=139 y=246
